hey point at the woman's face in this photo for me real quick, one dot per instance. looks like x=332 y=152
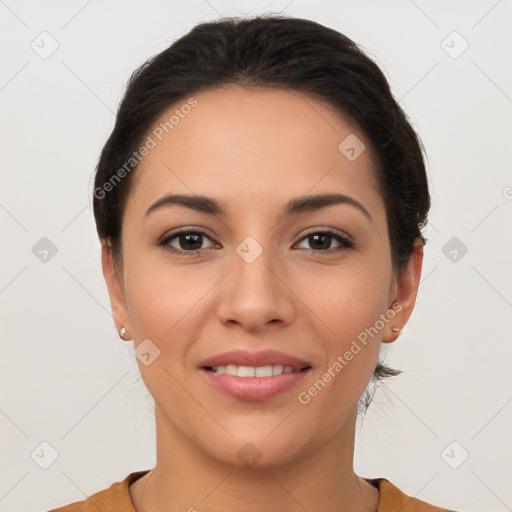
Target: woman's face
x=256 y=278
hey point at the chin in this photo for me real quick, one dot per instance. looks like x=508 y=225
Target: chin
x=259 y=448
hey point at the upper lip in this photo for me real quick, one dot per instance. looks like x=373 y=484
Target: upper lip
x=247 y=358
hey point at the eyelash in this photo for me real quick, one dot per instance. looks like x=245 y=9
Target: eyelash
x=345 y=242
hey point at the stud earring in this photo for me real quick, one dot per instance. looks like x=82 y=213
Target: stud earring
x=122 y=332
x=396 y=330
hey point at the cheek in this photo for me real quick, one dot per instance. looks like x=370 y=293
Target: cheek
x=158 y=295
x=151 y=305
x=347 y=299
x=349 y=311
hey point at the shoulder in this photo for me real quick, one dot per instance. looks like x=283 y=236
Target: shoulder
x=114 y=499
x=393 y=499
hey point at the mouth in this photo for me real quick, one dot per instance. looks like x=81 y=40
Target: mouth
x=254 y=376
x=255 y=371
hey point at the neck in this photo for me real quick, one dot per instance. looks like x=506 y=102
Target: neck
x=187 y=479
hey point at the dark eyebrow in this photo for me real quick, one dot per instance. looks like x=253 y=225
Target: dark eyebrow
x=312 y=203
x=211 y=206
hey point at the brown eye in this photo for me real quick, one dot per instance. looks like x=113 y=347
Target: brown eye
x=320 y=241
x=185 y=242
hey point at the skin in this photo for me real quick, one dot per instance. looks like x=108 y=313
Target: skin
x=254 y=150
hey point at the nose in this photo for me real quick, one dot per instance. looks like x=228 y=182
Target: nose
x=254 y=295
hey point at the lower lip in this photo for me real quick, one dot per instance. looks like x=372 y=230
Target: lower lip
x=254 y=388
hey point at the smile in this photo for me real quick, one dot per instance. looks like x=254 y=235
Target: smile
x=254 y=376
x=251 y=371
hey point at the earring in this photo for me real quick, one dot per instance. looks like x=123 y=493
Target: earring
x=122 y=332
x=396 y=330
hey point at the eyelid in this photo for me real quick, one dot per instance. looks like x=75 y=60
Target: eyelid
x=316 y=229
x=164 y=240
x=331 y=231
x=182 y=230
x=345 y=240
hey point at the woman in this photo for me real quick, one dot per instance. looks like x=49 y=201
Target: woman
x=260 y=204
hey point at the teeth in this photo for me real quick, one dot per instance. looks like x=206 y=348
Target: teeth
x=245 y=371
x=266 y=371
x=251 y=371
x=278 y=369
x=231 y=369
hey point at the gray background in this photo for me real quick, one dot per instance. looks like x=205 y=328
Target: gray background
x=70 y=383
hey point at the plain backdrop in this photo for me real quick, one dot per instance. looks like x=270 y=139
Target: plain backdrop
x=75 y=415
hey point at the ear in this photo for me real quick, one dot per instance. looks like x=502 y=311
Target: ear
x=115 y=289
x=406 y=292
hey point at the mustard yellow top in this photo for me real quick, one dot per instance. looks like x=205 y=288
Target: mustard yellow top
x=117 y=498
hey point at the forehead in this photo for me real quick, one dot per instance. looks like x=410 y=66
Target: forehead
x=244 y=144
